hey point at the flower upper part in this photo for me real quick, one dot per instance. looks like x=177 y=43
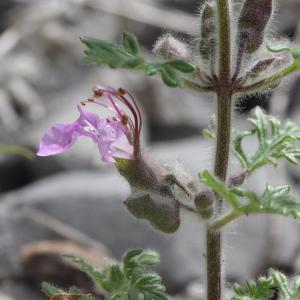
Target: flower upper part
x=116 y=137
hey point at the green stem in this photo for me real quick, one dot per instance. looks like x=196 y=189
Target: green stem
x=268 y=82
x=218 y=224
x=223 y=131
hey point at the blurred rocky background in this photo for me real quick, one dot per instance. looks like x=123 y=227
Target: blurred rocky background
x=73 y=202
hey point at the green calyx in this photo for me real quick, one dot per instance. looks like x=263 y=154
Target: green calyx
x=152 y=197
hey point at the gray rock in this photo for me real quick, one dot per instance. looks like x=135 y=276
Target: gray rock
x=5 y=297
x=17 y=289
x=92 y=203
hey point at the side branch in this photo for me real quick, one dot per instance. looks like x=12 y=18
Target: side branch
x=268 y=82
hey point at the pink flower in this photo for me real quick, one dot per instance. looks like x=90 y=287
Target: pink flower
x=117 y=136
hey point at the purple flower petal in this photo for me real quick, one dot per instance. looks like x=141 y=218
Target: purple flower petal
x=58 y=139
x=108 y=134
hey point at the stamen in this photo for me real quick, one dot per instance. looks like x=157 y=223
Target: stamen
x=124 y=120
x=89 y=100
x=121 y=91
x=97 y=92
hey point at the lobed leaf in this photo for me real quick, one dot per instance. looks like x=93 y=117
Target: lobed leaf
x=276 y=141
x=130 y=43
x=266 y=287
x=127 y=280
x=127 y=55
x=87 y=268
x=294 y=51
x=73 y=293
x=274 y=200
x=51 y=290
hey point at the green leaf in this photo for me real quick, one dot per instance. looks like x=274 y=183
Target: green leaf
x=152 y=69
x=149 y=285
x=114 y=278
x=117 y=296
x=182 y=66
x=142 y=282
x=101 y=52
x=133 y=294
x=276 y=141
x=120 y=281
x=262 y=290
x=295 y=52
x=51 y=290
x=266 y=287
x=127 y=56
x=87 y=268
x=274 y=200
x=212 y=182
x=139 y=258
x=148 y=258
x=208 y=134
x=169 y=76
x=130 y=43
x=131 y=255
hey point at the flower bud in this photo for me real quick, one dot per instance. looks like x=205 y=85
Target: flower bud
x=207 y=42
x=204 y=203
x=252 y=22
x=237 y=179
x=169 y=47
x=261 y=66
x=153 y=198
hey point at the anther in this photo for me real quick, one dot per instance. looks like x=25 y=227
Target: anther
x=121 y=91
x=97 y=92
x=124 y=119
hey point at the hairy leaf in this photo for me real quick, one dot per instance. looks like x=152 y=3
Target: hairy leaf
x=87 y=268
x=141 y=281
x=127 y=280
x=149 y=285
x=275 y=141
x=266 y=287
x=130 y=43
x=73 y=293
x=127 y=55
x=295 y=52
x=139 y=259
x=51 y=290
x=160 y=210
x=262 y=290
x=274 y=200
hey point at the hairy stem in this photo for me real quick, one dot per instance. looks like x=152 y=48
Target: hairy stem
x=213 y=238
x=223 y=136
x=224 y=40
